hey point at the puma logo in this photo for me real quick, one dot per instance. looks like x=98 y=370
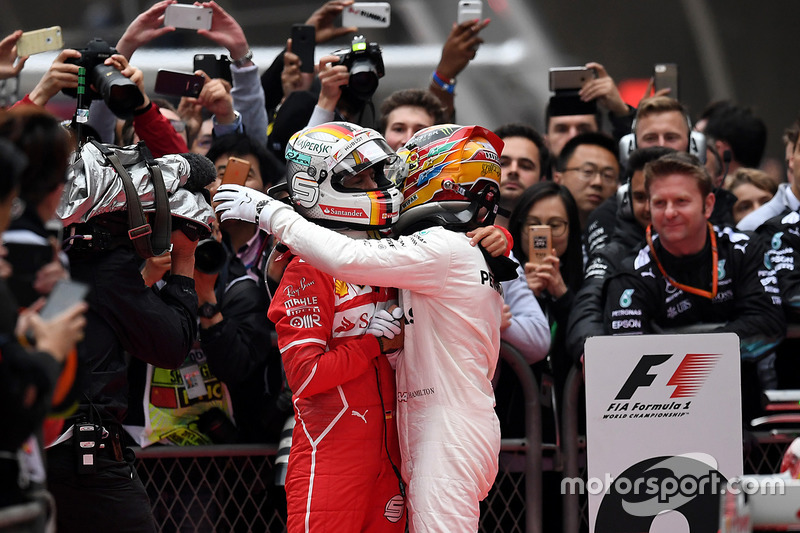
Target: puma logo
x=359 y=415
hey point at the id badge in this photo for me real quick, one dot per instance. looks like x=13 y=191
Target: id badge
x=193 y=381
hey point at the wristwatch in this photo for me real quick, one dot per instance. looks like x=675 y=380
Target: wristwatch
x=244 y=59
x=208 y=310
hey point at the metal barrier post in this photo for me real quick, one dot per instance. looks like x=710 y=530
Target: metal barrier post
x=533 y=435
x=571 y=511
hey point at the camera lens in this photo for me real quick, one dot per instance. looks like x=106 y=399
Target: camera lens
x=120 y=94
x=363 y=78
x=209 y=256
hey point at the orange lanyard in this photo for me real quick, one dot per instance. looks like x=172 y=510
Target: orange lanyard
x=686 y=288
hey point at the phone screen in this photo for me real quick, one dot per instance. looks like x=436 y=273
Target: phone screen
x=65 y=294
x=540 y=238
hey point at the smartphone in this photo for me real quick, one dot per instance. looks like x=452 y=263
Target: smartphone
x=64 y=295
x=26 y=260
x=304 y=40
x=665 y=76
x=367 y=15
x=540 y=243
x=570 y=78
x=215 y=67
x=236 y=171
x=470 y=10
x=38 y=41
x=178 y=83
x=188 y=17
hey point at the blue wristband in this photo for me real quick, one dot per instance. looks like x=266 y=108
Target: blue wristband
x=448 y=86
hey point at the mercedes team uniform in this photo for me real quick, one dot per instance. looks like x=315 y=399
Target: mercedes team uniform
x=343 y=472
x=640 y=299
x=449 y=433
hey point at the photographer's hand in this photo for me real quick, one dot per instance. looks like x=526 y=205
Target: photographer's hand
x=144 y=28
x=182 y=254
x=59 y=76
x=57 y=336
x=225 y=31
x=604 y=90
x=8 y=56
x=291 y=77
x=323 y=21
x=155 y=268
x=120 y=62
x=332 y=77
x=216 y=97
x=458 y=50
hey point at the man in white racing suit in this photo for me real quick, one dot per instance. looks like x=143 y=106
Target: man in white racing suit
x=449 y=433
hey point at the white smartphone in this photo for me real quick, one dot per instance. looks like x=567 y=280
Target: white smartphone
x=470 y=10
x=188 y=17
x=64 y=295
x=38 y=41
x=367 y=15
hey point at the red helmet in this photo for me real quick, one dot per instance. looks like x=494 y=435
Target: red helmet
x=452 y=178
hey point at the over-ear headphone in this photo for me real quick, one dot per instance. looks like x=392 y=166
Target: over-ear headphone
x=625 y=200
x=697 y=144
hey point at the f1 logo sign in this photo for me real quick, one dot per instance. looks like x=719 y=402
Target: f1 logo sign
x=687 y=379
x=640 y=377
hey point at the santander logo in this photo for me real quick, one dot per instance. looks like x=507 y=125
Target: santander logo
x=343 y=211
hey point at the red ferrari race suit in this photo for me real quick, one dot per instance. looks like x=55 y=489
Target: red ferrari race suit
x=341 y=474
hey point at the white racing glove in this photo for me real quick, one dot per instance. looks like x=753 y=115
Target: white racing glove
x=237 y=202
x=386 y=324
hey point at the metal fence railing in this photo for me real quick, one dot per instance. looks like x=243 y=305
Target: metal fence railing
x=231 y=488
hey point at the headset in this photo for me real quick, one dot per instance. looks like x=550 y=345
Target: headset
x=697 y=144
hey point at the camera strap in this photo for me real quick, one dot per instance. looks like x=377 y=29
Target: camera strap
x=161 y=239
x=139 y=228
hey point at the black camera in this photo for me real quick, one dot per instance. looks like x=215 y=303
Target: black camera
x=120 y=94
x=210 y=256
x=365 y=63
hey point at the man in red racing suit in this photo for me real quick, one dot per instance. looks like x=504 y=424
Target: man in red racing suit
x=341 y=474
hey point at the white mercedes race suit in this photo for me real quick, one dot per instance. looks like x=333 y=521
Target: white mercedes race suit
x=449 y=433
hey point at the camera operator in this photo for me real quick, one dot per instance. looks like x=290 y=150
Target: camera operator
x=91 y=475
x=231 y=353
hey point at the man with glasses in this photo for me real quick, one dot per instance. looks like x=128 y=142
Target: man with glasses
x=691 y=272
x=589 y=167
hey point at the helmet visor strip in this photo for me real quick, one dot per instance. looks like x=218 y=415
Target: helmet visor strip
x=372 y=153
